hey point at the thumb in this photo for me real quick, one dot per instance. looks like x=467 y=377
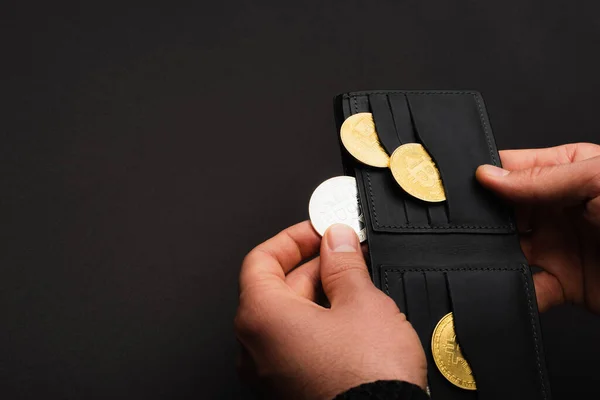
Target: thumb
x=568 y=184
x=344 y=274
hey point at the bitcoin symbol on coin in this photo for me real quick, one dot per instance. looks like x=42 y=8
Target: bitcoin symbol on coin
x=415 y=172
x=421 y=171
x=448 y=356
x=366 y=131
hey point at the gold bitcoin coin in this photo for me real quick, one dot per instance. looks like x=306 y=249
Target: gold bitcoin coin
x=360 y=139
x=448 y=357
x=416 y=173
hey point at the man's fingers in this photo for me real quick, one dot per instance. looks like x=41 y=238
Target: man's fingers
x=344 y=274
x=306 y=279
x=280 y=254
x=292 y=245
x=548 y=290
x=592 y=211
x=565 y=154
x=568 y=184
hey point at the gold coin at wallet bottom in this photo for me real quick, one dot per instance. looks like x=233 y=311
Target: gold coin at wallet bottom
x=415 y=172
x=448 y=357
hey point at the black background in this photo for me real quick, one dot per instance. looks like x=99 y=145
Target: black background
x=146 y=150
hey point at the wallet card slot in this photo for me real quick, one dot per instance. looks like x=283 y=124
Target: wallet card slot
x=416 y=212
x=402 y=211
x=395 y=127
x=453 y=131
x=402 y=118
x=437 y=214
x=496 y=325
x=417 y=304
x=394 y=287
x=359 y=104
x=346 y=109
x=439 y=300
x=439 y=306
x=384 y=122
x=424 y=298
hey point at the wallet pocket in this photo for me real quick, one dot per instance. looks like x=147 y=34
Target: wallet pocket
x=495 y=324
x=453 y=128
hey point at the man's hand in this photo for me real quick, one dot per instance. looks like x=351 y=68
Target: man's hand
x=300 y=349
x=557 y=195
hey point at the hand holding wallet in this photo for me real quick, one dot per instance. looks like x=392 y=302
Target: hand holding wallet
x=298 y=349
x=556 y=192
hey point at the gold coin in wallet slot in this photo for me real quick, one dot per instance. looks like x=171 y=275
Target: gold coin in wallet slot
x=360 y=138
x=416 y=173
x=335 y=201
x=448 y=357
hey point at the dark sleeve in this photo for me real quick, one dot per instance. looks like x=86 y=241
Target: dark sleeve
x=384 y=390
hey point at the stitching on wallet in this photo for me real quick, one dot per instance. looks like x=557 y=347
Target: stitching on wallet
x=372 y=200
x=535 y=337
x=387 y=286
x=451 y=269
x=425 y=226
x=522 y=270
x=490 y=148
x=485 y=129
x=354 y=94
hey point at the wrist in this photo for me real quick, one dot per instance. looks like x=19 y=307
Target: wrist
x=385 y=390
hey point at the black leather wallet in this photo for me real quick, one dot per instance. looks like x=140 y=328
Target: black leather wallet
x=461 y=255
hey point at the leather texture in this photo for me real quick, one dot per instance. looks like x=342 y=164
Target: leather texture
x=461 y=255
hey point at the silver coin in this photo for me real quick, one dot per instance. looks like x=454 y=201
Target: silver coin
x=335 y=201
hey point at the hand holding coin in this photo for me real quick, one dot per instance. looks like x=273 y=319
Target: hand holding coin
x=335 y=201
x=298 y=349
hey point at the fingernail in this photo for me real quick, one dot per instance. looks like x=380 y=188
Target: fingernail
x=342 y=239
x=494 y=171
